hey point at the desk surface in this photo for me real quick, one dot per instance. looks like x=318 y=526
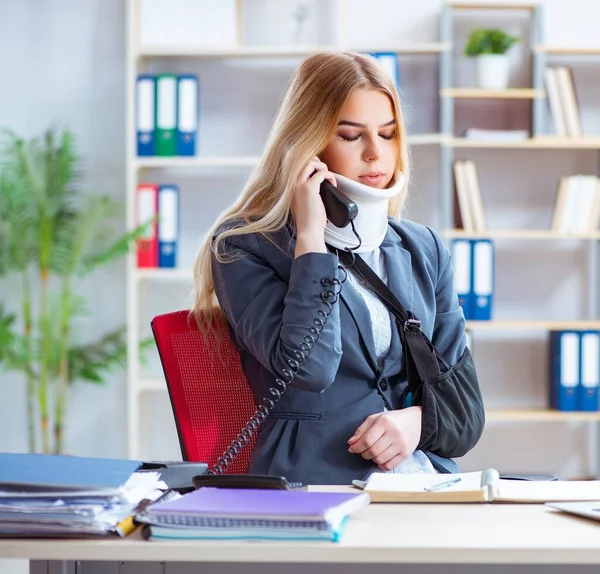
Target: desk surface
x=381 y=533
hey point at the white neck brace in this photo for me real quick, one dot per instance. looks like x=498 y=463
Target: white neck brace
x=372 y=219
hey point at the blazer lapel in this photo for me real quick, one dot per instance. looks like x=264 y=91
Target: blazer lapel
x=399 y=272
x=399 y=268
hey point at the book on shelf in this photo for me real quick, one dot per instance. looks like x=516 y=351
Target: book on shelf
x=388 y=61
x=470 y=214
x=475 y=487
x=562 y=99
x=568 y=99
x=577 y=205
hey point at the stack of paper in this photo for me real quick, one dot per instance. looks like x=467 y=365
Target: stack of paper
x=252 y=513
x=57 y=496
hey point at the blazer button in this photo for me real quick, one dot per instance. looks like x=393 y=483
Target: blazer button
x=383 y=385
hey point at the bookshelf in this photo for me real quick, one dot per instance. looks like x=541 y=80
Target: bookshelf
x=141 y=385
x=506 y=331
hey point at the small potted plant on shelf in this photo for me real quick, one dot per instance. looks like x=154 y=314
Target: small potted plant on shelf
x=489 y=46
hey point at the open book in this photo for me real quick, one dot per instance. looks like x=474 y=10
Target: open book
x=484 y=486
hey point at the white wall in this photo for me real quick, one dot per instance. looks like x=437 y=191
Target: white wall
x=63 y=60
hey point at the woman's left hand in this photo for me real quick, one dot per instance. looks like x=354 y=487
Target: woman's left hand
x=388 y=438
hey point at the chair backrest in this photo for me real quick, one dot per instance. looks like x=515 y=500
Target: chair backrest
x=210 y=396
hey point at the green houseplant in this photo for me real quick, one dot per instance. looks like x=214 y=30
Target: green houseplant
x=489 y=46
x=52 y=234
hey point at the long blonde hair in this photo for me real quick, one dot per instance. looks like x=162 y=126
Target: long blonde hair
x=306 y=120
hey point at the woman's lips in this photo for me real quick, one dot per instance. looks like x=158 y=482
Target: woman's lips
x=371 y=179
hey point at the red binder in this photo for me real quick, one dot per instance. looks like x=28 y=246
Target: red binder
x=147 y=211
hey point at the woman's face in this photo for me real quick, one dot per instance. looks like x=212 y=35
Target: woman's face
x=364 y=146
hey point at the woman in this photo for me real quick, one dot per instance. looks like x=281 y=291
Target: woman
x=269 y=258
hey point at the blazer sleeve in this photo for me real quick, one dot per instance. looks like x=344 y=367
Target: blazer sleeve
x=449 y=326
x=271 y=318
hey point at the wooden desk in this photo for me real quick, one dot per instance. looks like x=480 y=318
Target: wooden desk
x=379 y=536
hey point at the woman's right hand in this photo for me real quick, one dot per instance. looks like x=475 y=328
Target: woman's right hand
x=308 y=209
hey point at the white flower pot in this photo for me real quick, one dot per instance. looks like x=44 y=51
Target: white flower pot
x=492 y=71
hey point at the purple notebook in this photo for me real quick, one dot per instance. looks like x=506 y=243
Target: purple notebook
x=249 y=504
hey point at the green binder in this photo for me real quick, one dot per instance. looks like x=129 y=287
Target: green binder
x=166 y=114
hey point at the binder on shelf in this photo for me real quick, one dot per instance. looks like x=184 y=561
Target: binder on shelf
x=187 y=114
x=389 y=63
x=483 y=279
x=590 y=370
x=168 y=225
x=147 y=211
x=166 y=114
x=145 y=113
x=564 y=370
x=461 y=262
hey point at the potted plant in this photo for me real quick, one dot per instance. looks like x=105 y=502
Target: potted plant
x=489 y=46
x=52 y=234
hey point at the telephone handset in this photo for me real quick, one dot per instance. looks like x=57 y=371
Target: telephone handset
x=339 y=208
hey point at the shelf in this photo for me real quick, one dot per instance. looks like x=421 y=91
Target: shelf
x=179 y=274
x=173 y=162
x=426 y=139
x=541 y=415
x=512 y=93
x=568 y=51
x=152 y=386
x=541 y=142
x=197 y=161
x=492 y=6
x=430 y=48
x=280 y=51
x=533 y=325
x=544 y=234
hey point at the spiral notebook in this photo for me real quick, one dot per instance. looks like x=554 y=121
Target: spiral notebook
x=252 y=513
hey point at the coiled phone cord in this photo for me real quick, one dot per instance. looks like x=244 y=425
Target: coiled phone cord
x=329 y=296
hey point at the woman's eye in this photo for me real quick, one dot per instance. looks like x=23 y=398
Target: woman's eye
x=388 y=136
x=349 y=138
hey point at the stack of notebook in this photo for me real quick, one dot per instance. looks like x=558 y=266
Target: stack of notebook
x=70 y=496
x=252 y=514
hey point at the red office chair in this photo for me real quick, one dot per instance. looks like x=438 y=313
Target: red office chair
x=209 y=393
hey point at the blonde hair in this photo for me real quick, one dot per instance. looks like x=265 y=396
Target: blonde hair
x=306 y=120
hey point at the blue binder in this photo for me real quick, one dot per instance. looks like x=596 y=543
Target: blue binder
x=145 y=101
x=589 y=358
x=565 y=370
x=461 y=252
x=483 y=279
x=389 y=63
x=168 y=225
x=187 y=114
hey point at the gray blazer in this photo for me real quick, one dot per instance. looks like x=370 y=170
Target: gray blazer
x=270 y=299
